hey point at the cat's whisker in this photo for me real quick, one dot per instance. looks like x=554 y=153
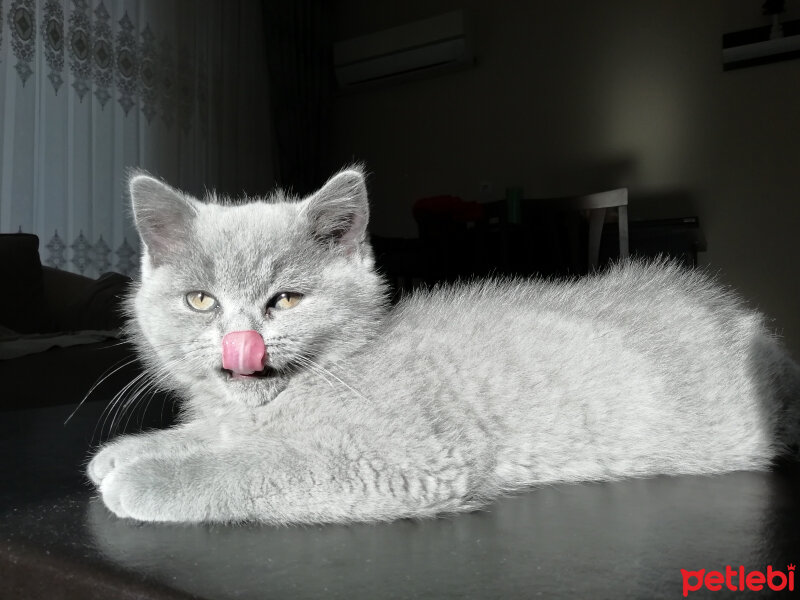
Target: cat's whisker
x=110 y=345
x=152 y=393
x=115 y=368
x=109 y=408
x=126 y=399
x=312 y=368
x=149 y=384
x=118 y=401
x=316 y=365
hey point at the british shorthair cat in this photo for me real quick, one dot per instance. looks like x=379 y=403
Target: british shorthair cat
x=307 y=398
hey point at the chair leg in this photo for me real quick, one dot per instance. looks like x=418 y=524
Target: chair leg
x=596 y=219
x=623 y=231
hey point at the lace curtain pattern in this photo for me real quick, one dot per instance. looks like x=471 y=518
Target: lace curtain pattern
x=91 y=88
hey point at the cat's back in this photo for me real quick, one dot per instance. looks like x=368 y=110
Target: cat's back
x=643 y=298
x=648 y=330
x=647 y=359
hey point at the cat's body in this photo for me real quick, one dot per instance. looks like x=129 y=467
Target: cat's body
x=438 y=405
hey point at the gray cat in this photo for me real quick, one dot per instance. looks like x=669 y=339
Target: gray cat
x=307 y=399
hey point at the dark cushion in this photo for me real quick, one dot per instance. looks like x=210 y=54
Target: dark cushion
x=99 y=306
x=22 y=304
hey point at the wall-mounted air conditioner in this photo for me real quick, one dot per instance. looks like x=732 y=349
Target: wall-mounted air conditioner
x=761 y=45
x=410 y=51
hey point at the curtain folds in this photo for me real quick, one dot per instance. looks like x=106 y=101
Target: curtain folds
x=93 y=88
x=299 y=48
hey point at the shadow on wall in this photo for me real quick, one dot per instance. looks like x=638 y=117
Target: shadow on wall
x=597 y=176
x=583 y=177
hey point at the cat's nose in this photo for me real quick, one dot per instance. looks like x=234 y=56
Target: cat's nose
x=243 y=352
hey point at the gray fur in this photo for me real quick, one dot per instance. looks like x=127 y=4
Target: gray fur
x=438 y=405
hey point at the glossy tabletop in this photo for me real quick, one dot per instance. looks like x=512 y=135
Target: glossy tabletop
x=627 y=539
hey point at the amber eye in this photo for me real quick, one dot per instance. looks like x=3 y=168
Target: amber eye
x=285 y=300
x=201 y=301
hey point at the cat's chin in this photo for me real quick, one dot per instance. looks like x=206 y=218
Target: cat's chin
x=256 y=389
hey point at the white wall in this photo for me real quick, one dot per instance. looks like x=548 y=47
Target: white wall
x=579 y=95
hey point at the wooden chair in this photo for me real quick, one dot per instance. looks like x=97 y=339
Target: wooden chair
x=544 y=236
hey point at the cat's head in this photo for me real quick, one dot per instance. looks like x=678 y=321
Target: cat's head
x=236 y=298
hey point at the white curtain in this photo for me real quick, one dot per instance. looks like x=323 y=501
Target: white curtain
x=91 y=88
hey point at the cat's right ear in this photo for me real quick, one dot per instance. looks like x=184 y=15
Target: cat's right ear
x=162 y=214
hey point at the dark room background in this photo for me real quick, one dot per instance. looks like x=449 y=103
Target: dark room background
x=563 y=98
x=570 y=97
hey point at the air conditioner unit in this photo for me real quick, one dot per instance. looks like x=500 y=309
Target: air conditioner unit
x=422 y=48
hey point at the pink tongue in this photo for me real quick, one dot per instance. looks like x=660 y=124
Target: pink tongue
x=243 y=352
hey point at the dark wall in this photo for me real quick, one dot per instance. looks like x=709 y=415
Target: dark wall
x=571 y=96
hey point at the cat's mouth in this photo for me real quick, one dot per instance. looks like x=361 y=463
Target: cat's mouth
x=267 y=372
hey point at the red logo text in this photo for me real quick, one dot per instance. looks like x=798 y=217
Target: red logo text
x=737 y=580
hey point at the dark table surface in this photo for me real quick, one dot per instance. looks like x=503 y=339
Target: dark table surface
x=627 y=539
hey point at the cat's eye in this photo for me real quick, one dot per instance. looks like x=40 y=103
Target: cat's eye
x=285 y=300
x=201 y=301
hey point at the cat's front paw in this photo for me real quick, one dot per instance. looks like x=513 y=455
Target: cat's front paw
x=122 y=451
x=187 y=489
x=145 y=490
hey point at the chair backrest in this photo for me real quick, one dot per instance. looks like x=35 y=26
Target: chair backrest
x=607 y=199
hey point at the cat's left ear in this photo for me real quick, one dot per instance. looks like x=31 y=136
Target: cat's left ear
x=339 y=211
